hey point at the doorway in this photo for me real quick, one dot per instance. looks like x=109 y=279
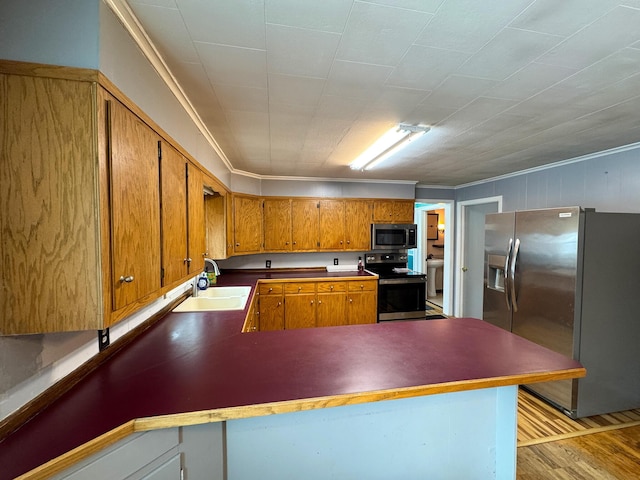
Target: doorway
x=438 y=243
x=470 y=254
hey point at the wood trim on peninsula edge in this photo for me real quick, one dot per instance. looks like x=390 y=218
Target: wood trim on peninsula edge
x=233 y=413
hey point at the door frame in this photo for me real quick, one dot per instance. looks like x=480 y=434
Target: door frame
x=447 y=270
x=461 y=238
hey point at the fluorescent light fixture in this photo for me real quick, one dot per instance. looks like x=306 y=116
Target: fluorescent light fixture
x=388 y=145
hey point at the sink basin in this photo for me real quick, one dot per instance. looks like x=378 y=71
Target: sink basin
x=435 y=262
x=216 y=298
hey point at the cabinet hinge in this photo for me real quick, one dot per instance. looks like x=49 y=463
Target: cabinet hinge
x=318 y=205
x=162 y=273
x=159 y=151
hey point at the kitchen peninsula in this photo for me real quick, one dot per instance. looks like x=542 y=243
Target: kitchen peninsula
x=395 y=400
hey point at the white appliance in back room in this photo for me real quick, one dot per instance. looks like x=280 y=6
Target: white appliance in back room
x=569 y=280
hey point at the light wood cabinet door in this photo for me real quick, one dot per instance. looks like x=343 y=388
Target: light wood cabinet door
x=362 y=302
x=173 y=208
x=271 y=312
x=196 y=226
x=383 y=211
x=135 y=207
x=49 y=210
x=358 y=219
x=393 y=211
x=299 y=305
x=331 y=310
x=230 y=225
x=300 y=311
x=331 y=225
x=304 y=225
x=277 y=225
x=403 y=211
x=247 y=219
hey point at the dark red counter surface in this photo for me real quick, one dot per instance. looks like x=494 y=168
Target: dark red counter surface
x=190 y=362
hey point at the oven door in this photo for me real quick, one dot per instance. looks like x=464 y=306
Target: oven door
x=402 y=298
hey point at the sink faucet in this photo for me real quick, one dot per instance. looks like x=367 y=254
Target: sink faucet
x=213 y=265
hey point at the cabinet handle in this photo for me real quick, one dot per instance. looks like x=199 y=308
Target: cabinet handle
x=311 y=302
x=127 y=279
x=319 y=302
x=270 y=289
x=286 y=243
x=187 y=261
x=295 y=243
x=361 y=286
x=348 y=242
x=299 y=288
x=351 y=300
x=279 y=303
x=331 y=287
x=237 y=244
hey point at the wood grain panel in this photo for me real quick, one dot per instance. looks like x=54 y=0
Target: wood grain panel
x=305 y=226
x=332 y=309
x=48 y=206
x=135 y=207
x=331 y=225
x=247 y=215
x=358 y=218
x=277 y=225
x=215 y=213
x=197 y=250
x=173 y=208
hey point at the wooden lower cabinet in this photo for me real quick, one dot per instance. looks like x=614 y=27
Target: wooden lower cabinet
x=332 y=304
x=270 y=307
x=299 y=305
x=289 y=305
x=362 y=306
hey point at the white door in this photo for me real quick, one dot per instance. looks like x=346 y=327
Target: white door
x=471 y=271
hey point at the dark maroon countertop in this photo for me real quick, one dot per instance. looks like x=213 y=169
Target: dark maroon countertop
x=190 y=362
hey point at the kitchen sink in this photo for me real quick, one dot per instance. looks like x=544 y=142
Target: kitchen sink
x=216 y=298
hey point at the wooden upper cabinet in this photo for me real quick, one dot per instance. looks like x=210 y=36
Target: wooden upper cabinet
x=277 y=224
x=404 y=211
x=393 y=211
x=358 y=219
x=196 y=227
x=305 y=225
x=247 y=219
x=331 y=225
x=135 y=206
x=49 y=207
x=173 y=208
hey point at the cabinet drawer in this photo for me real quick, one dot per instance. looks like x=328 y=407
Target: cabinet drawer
x=363 y=286
x=292 y=288
x=270 y=288
x=329 y=287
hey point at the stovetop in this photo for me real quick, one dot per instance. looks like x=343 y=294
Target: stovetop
x=390 y=265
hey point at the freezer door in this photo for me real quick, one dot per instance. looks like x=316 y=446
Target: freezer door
x=545 y=270
x=499 y=231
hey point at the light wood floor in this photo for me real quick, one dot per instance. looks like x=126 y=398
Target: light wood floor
x=553 y=446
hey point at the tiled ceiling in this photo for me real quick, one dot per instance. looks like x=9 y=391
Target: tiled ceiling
x=299 y=88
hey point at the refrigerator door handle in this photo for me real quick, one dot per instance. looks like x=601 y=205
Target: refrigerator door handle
x=505 y=273
x=514 y=261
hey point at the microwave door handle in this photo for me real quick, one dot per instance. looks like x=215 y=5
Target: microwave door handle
x=505 y=273
x=514 y=261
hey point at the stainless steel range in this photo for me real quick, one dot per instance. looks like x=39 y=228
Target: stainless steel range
x=402 y=292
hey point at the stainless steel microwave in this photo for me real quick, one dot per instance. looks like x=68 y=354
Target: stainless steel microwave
x=393 y=236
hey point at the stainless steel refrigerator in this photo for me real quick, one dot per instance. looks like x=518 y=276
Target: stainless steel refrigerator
x=569 y=279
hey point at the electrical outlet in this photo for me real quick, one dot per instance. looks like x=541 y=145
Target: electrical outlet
x=335 y=261
x=268 y=263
